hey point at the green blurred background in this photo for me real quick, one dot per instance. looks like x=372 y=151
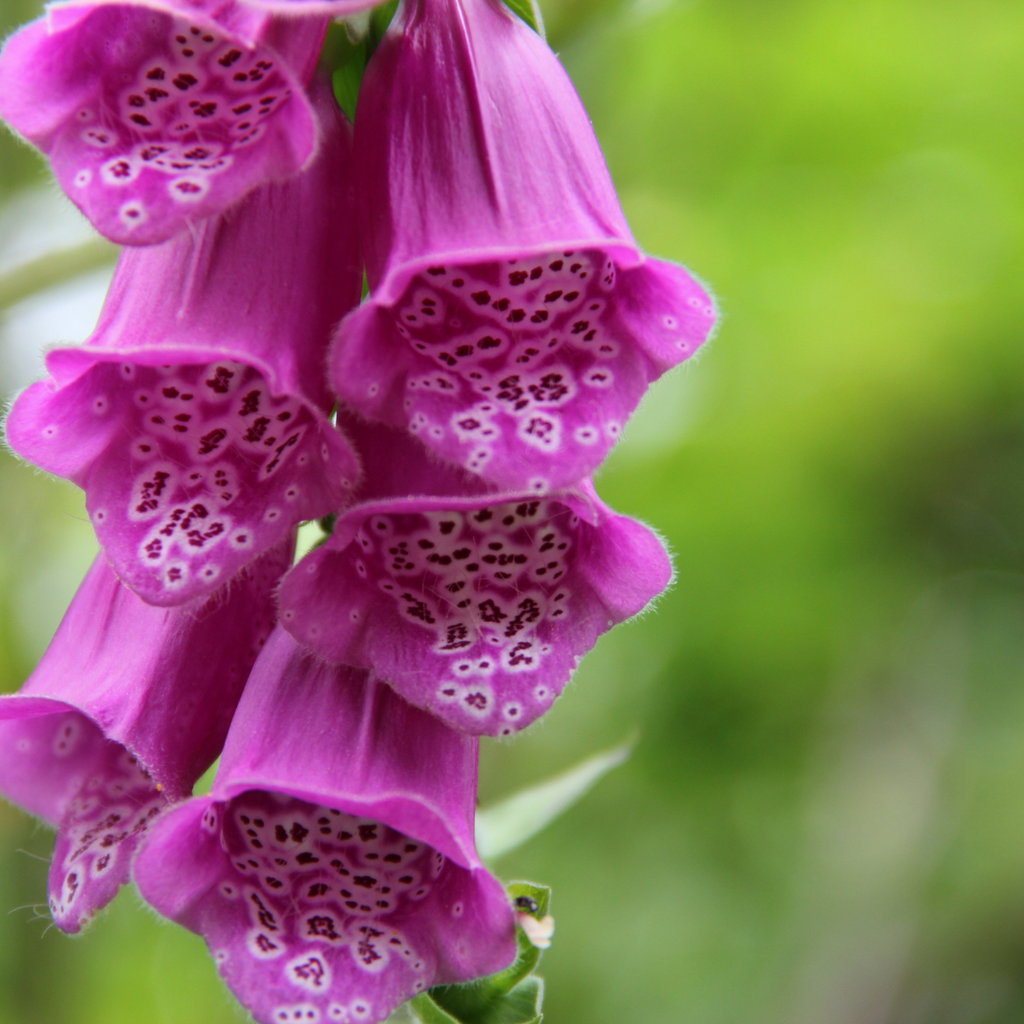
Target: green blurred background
x=823 y=822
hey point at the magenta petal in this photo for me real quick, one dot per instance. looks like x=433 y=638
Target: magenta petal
x=126 y=709
x=333 y=8
x=475 y=608
x=156 y=114
x=513 y=323
x=331 y=870
x=196 y=417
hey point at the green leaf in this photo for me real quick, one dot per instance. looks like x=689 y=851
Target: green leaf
x=348 y=77
x=521 y=1006
x=502 y=998
x=529 y=11
x=380 y=19
x=429 y=1012
x=348 y=49
x=508 y=824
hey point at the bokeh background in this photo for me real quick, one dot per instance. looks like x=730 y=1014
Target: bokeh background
x=823 y=821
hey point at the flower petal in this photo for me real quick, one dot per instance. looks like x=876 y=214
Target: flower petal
x=331 y=869
x=479 y=607
x=153 y=115
x=196 y=416
x=513 y=324
x=127 y=708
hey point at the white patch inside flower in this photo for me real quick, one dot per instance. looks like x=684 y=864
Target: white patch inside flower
x=530 y=336
x=309 y=971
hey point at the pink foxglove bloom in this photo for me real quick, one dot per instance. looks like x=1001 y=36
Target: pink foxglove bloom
x=475 y=606
x=196 y=416
x=127 y=708
x=513 y=323
x=332 y=869
x=159 y=113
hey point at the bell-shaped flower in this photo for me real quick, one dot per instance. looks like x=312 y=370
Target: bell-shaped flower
x=332 y=869
x=513 y=323
x=475 y=606
x=196 y=417
x=156 y=114
x=128 y=707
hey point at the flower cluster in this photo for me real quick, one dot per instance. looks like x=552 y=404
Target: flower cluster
x=234 y=388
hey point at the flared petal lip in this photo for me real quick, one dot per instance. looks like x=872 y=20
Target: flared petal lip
x=300 y=8
x=433 y=828
x=582 y=500
x=395 y=279
x=66 y=365
x=63 y=14
x=17 y=705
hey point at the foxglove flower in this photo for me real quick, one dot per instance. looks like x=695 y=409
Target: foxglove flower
x=513 y=323
x=159 y=113
x=127 y=708
x=475 y=606
x=332 y=869
x=196 y=416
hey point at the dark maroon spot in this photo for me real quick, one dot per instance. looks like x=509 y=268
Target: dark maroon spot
x=323 y=926
x=219 y=382
x=250 y=403
x=517 y=277
x=156 y=74
x=229 y=58
x=140 y=119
